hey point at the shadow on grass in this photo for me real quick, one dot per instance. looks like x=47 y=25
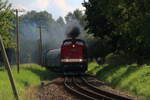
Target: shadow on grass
x=43 y=74
x=2 y=68
x=125 y=75
x=109 y=70
x=25 y=83
x=106 y=71
x=94 y=68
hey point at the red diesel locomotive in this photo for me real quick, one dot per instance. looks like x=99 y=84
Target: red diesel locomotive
x=74 y=55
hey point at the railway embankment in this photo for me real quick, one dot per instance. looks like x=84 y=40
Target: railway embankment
x=132 y=79
x=27 y=81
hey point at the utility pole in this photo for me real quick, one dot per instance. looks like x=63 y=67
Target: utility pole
x=18 y=43
x=7 y=65
x=41 y=46
x=18 y=39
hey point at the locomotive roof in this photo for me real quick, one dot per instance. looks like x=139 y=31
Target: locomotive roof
x=74 y=40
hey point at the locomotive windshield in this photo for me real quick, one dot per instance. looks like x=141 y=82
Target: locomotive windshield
x=79 y=43
x=69 y=42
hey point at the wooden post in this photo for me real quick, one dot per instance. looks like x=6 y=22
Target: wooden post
x=17 y=40
x=7 y=65
x=18 y=44
x=41 y=47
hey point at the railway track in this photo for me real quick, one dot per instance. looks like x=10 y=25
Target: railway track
x=81 y=87
x=104 y=92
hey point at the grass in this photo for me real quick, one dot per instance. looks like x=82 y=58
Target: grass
x=132 y=78
x=27 y=80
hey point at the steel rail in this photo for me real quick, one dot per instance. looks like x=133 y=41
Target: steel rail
x=91 y=93
x=103 y=92
x=67 y=84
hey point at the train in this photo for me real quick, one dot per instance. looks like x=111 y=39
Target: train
x=71 y=57
x=51 y=59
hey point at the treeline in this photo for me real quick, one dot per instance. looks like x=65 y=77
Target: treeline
x=121 y=27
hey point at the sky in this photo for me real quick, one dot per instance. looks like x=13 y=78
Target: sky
x=55 y=7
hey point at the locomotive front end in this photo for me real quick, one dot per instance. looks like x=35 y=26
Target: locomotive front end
x=73 y=55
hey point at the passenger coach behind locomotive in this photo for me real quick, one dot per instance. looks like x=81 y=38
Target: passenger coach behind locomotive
x=74 y=53
x=52 y=59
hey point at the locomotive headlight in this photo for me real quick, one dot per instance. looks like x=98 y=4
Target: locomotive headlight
x=81 y=60
x=72 y=60
x=73 y=45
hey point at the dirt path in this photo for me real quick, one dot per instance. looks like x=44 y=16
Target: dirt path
x=55 y=90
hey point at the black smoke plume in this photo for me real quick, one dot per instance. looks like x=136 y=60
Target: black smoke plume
x=74 y=33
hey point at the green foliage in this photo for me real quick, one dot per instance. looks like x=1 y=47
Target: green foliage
x=6 y=24
x=42 y=18
x=124 y=24
x=30 y=75
x=76 y=15
x=132 y=78
x=60 y=21
x=98 y=24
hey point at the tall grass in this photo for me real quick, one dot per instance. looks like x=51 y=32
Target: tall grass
x=30 y=75
x=132 y=78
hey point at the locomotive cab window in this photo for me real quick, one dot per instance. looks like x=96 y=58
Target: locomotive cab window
x=79 y=42
x=67 y=43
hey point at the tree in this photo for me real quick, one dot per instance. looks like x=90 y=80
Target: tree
x=97 y=22
x=38 y=18
x=123 y=23
x=76 y=15
x=60 y=20
x=101 y=27
x=6 y=24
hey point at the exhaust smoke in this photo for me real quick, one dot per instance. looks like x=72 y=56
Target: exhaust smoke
x=74 y=33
